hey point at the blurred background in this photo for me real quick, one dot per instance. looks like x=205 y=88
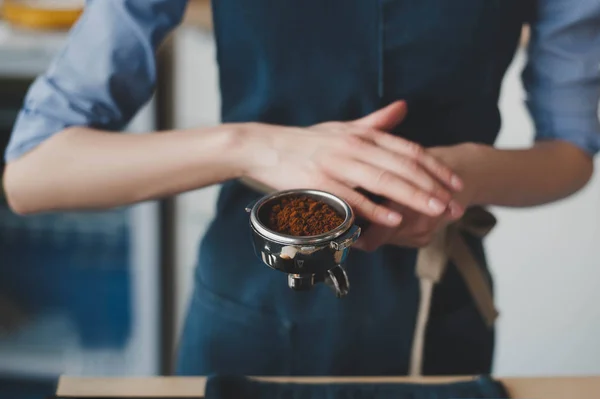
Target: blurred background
x=105 y=293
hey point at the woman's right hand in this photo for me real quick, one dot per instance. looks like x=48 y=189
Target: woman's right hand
x=343 y=157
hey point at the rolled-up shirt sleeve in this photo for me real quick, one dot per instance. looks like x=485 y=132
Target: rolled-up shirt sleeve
x=562 y=75
x=105 y=73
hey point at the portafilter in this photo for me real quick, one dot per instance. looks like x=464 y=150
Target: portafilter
x=307 y=260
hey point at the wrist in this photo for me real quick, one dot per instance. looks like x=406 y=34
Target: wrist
x=468 y=161
x=228 y=146
x=256 y=148
x=471 y=164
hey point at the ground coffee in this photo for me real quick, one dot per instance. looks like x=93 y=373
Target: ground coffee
x=303 y=216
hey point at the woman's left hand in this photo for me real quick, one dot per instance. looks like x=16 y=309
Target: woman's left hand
x=416 y=229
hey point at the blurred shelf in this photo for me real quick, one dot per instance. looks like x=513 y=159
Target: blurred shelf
x=34 y=365
x=49 y=341
x=49 y=347
x=27 y=53
x=61 y=14
x=38 y=349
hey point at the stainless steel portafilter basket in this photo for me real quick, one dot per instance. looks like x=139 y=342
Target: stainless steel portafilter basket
x=308 y=259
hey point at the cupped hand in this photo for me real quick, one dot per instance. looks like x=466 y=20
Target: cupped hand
x=417 y=229
x=345 y=158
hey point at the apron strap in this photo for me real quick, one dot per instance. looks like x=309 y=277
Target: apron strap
x=431 y=264
x=449 y=244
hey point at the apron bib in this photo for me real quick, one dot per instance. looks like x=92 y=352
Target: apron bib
x=299 y=63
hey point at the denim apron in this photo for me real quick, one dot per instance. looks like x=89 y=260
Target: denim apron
x=301 y=62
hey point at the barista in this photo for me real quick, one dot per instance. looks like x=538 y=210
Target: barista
x=396 y=98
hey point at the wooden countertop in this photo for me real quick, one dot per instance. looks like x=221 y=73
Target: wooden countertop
x=193 y=387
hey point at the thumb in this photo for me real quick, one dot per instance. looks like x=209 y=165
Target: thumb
x=386 y=118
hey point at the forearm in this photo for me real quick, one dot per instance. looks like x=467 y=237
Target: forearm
x=547 y=172
x=82 y=168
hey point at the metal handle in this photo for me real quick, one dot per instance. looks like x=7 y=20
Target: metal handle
x=337 y=279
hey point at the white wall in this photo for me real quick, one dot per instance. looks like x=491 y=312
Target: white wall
x=547 y=265
x=546 y=260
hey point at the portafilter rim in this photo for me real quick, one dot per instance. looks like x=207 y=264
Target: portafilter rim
x=286 y=239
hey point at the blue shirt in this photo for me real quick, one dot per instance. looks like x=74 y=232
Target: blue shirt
x=106 y=72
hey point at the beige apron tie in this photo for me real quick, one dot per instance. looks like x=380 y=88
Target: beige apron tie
x=449 y=244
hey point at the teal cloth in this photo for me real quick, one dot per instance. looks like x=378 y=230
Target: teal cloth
x=237 y=387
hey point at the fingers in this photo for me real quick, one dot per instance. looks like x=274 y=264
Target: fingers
x=455 y=210
x=364 y=207
x=404 y=167
x=387 y=184
x=417 y=153
x=385 y=118
x=441 y=171
x=415 y=231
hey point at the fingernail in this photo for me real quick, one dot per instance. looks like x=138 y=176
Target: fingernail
x=436 y=205
x=456 y=210
x=456 y=182
x=394 y=218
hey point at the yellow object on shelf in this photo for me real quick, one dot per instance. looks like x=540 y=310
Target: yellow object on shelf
x=42 y=14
